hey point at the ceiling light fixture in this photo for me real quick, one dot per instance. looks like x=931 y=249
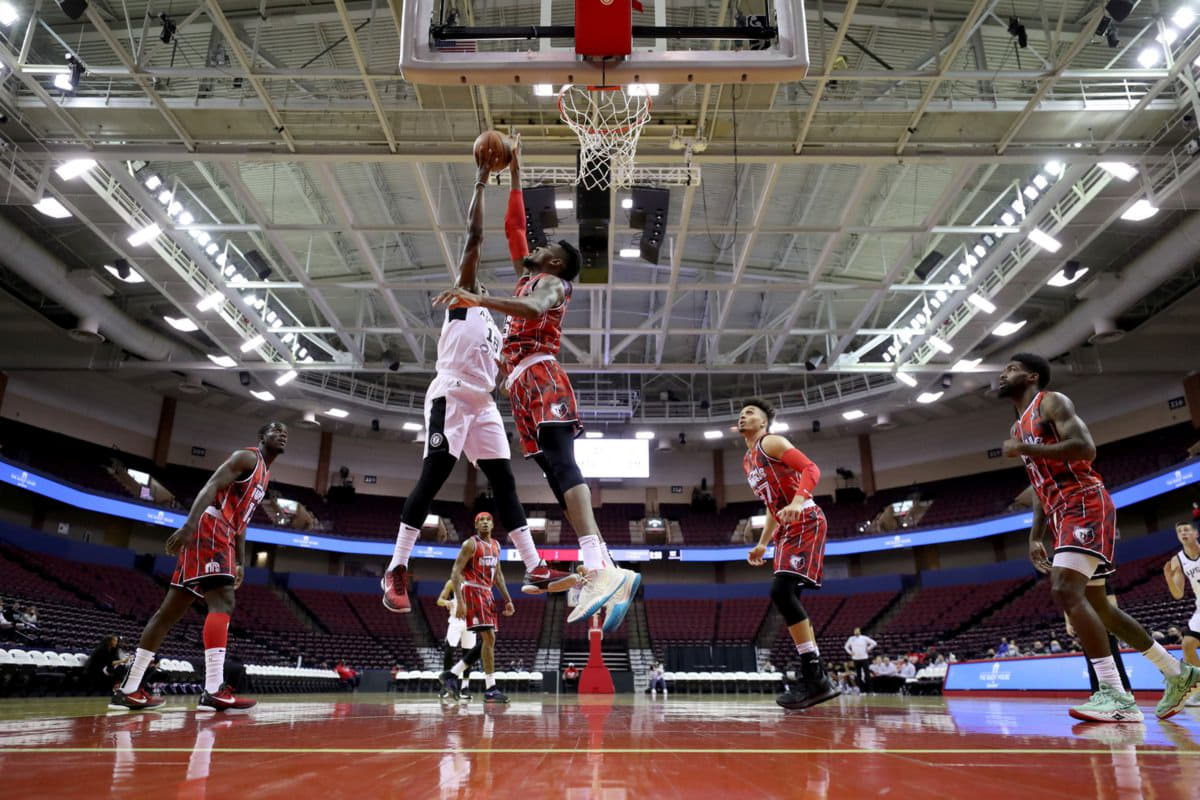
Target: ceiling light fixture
x=906 y=379
x=181 y=324
x=1150 y=56
x=981 y=302
x=412 y=427
x=286 y=378
x=929 y=397
x=1044 y=240
x=52 y=208
x=122 y=271
x=222 y=361
x=647 y=435
x=144 y=235
x=966 y=364
x=1183 y=18
x=941 y=344
x=338 y=413
x=627 y=203
x=74 y=168
x=543 y=90
x=210 y=301
x=593 y=434
x=264 y=395
x=1054 y=168
x=1142 y=209
x=713 y=434
x=1119 y=170
x=1066 y=276
x=8 y=14
x=853 y=415
x=253 y=343
x=1007 y=328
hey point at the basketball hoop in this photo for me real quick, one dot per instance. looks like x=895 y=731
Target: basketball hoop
x=608 y=121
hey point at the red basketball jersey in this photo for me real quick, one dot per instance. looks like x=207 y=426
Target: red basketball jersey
x=775 y=483
x=1054 y=481
x=235 y=504
x=528 y=337
x=481 y=569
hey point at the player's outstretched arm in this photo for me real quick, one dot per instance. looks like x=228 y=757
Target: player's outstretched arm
x=236 y=466
x=468 y=262
x=546 y=295
x=514 y=218
x=1174 y=577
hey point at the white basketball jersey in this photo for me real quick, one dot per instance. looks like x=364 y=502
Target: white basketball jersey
x=469 y=346
x=1191 y=570
x=453 y=608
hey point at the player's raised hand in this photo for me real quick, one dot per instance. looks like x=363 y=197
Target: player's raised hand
x=509 y=609
x=755 y=557
x=457 y=298
x=514 y=164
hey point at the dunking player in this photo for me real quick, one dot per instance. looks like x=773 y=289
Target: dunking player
x=461 y=418
x=1182 y=569
x=543 y=401
x=784 y=479
x=1058 y=450
x=211 y=546
x=476 y=571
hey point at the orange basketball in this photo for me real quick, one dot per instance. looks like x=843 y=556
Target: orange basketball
x=493 y=149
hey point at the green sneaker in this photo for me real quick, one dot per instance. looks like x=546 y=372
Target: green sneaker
x=1179 y=689
x=1108 y=705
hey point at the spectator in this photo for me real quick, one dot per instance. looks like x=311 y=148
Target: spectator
x=1013 y=650
x=348 y=677
x=1055 y=647
x=1173 y=636
x=859 y=648
x=908 y=669
x=5 y=625
x=768 y=667
x=1039 y=648
x=570 y=676
x=657 y=679
x=1002 y=650
x=106 y=666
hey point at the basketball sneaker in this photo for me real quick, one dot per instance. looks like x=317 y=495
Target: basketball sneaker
x=618 y=605
x=135 y=701
x=542 y=579
x=494 y=695
x=224 y=700
x=813 y=687
x=598 y=587
x=1178 y=690
x=450 y=685
x=395 y=590
x=1108 y=705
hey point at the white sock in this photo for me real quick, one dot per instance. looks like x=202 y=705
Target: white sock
x=591 y=549
x=405 y=540
x=141 y=660
x=458 y=669
x=522 y=539
x=1167 y=664
x=1106 y=673
x=807 y=647
x=214 y=669
x=489 y=681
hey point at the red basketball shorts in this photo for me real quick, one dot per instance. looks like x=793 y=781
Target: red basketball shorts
x=800 y=547
x=481 y=607
x=209 y=558
x=1087 y=523
x=542 y=395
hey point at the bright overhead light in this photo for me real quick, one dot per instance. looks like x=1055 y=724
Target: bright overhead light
x=956 y=282
x=1040 y=181
x=887 y=357
x=1060 y=278
x=152 y=182
x=63 y=81
x=337 y=412
x=543 y=89
x=52 y=208
x=1008 y=219
x=965 y=269
x=919 y=319
x=981 y=302
x=174 y=208
x=941 y=295
x=1044 y=240
x=253 y=343
x=1008 y=328
x=1168 y=37
x=1150 y=56
x=593 y=434
x=1077 y=145
x=286 y=378
x=629 y=252
x=144 y=235
x=643 y=90
x=210 y=301
x=264 y=395
x=8 y=14
x=1031 y=192
x=74 y=168
x=906 y=379
x=201 y=237
x=627 y=203
x=1183 y=18
x=131 y=275
x=853 y=415
x=411 y=426
x=940 y=344
x=181 y=324
x=980 y=250
x=564 y=205
x=1142 y=209
x=972 y=261
x=302 y=353
x=1119 y=169
x=935 y=303
x=713 y=434
x=221 y=260
x=165 y=196
x=644 y=435
x=212 y=248
x=1054 y=168
x=966 y=365
x=779 y=426
x=222 y=361
x=1018 y=206
x=186 y=218
x=929 y=397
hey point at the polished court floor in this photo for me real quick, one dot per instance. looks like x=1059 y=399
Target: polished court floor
x=304 y=747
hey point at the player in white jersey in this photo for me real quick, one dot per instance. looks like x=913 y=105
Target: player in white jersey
x=1182 y=569
x=457 y=634
x=461 y=418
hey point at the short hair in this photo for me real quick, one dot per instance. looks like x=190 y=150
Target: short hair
x=272 y=424
x=573 y=262
x=1035 y=363
x=763 y=406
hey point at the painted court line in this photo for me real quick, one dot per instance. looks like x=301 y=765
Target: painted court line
x=609 y=750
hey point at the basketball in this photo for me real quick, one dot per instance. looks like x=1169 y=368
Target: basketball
x=493 y=149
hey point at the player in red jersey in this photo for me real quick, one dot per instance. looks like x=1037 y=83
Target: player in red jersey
x=211 y=550
x=476 y=571
x=543 y=401
x=1058 y=450
x=784 y=479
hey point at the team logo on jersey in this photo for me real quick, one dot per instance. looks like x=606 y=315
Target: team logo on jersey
x=797 y=562
x=1084 y=534
x=559 y=409
x=212 y=567
x=436 y=440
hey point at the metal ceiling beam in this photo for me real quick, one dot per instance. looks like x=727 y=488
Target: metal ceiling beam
x=431 y=212
x=677 y=248
x=32 y=85
x=372 y=90
x=831 y=56
x=743 y=257
x=1183 y=60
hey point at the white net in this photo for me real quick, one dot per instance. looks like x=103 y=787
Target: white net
x=608 y=122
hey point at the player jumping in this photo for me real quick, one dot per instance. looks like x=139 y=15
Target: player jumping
x=461 y=418
x=211 y=546
x=1058 y=451
x=784 y=479
x=476 y=570
x=543 y=401
x=1182 y=569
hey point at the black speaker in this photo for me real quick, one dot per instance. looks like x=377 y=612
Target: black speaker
x=649 y=212
x=593 y=204
x=259 y=264
x=928 y=264
x=244 y=377
x=816 y=426
x=593 y=249
x=72 y=8
x=375 y=425
x=539 y=214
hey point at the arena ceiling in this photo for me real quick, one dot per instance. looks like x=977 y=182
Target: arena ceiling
x=286 y=129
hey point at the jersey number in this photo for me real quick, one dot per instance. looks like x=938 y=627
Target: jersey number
x=255 y=498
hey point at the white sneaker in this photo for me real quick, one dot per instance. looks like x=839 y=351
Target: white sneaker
x=618 y=605
x=598 y=587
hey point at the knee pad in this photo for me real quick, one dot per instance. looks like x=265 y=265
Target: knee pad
x=785 y=594
x=557 y=443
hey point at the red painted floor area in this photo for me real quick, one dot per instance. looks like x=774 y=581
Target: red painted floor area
x=604 y=749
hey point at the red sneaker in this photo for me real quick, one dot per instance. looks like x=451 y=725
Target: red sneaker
x=395 y=590
x=224 y=700
x=135 y=701
x=542 y=579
